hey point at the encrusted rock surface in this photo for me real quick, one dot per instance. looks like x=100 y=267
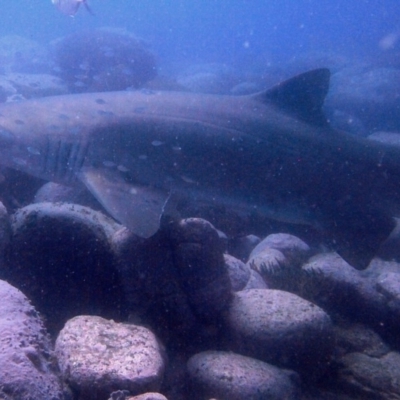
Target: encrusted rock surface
x=103 y=59
x=371 y=377
x=282 y=328
x=232 y=376
x=147 y=396
x=98 y=356
x=28 y=367
x=239 y=272
x=52 y=192
x=291 y=246
x=340 y=288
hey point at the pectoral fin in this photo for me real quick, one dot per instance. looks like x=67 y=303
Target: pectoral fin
x=137 y=207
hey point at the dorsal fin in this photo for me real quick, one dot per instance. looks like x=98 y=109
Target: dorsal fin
x=302 y=95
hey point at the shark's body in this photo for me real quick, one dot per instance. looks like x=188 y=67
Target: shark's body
x=272 y=154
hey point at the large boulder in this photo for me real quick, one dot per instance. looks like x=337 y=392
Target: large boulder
x=103 y=60
x=61 y=257
x=20 y=54
x=368 y=96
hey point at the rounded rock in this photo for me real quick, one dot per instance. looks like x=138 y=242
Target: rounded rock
x=281 y=328
x=370 y=377
x=266 y=260
x=255 y=281
x=239 y=273
x=291 y=246
x=103 y=59
x=241 y=247
x=60 y=255
x=52 y=192
x=148 y=396
x=99 y=356
x=5 y=232
x=229 y=376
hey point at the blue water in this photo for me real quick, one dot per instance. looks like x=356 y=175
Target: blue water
x=230 y=31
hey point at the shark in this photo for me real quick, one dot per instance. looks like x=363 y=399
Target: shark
x=272 y=153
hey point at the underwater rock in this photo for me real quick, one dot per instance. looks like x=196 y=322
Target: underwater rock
x=176 y=280
x=152 y=292
x=225 y=219
x=222 y=375
x=266 y=261
x=388 y=284
x=17 y=189
x=101 y=60
x=283 y=329
x=278 y=259
x=119 y=395
x=339 y=288
x=147 y=396
x=242 y=277
x=357 y=338
x=60 y=256
x=7 y=89
x=208 y=78
x=98 y=356
x=241 y=247
x=316 y=393
x=52 y=192
x=341 y=120
x=5 y=233
x=255 y=281
x=239 y=272
x=370 y=377
x=201 y=269
x=293 y=248
x=368 y=93
x=35 y=85
x=19 y=54
x=21 y=86
x=390 y=248
x=28 y=368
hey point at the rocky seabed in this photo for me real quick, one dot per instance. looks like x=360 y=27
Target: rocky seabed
x=91 y=311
